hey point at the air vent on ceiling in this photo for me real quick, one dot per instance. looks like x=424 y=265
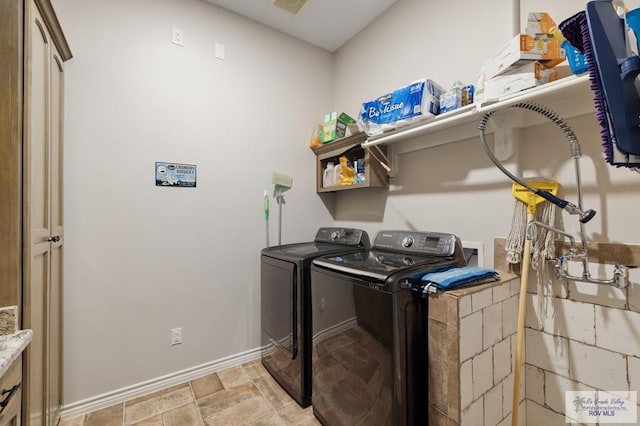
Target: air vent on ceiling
x=292 y=6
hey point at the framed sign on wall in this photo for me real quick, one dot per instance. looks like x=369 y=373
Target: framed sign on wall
x=175 y=174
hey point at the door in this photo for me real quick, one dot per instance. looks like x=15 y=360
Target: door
x=279 y=294
x=279 y=321
x=353 y=352
x=37 y=207
x=42 y=221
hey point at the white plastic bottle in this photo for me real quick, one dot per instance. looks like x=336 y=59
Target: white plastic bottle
x=328 y=175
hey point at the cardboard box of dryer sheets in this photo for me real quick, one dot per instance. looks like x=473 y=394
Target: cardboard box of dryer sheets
x=521 y=78
x=523 y=49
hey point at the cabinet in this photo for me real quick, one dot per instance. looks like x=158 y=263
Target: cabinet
x=374 y=173
x=33 y=52
x=42 y=204
x=10 y=394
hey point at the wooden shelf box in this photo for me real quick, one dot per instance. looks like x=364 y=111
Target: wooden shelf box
x=351 y=146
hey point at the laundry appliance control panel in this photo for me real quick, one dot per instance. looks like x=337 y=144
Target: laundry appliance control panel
x=346 y=236
x=428 y=243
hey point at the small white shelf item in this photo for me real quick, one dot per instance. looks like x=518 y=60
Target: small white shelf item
x=569 y=97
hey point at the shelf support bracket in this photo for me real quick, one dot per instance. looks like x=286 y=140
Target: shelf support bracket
x=381 y=158
x=392 y=153
x=505 y=135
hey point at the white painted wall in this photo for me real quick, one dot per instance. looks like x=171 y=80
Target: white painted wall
x=455 y=188
x=140 y=259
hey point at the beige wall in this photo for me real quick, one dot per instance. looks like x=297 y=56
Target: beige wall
x=141 y=260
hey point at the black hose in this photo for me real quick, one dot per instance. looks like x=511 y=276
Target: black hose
x=585 y=216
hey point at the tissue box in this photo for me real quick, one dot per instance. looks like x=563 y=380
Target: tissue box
x=521 y=78
x=523 y=49
x=400 y=107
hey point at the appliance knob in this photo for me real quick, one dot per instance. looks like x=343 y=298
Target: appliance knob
x=335 y=235
x=405 y=284
x=407 y=242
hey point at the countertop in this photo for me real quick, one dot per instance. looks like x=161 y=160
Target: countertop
x=11 y=347
x=465 y=290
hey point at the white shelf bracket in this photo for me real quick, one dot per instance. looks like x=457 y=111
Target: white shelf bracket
x=505 y=135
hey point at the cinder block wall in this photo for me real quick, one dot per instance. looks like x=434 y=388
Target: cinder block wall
x=581 y=336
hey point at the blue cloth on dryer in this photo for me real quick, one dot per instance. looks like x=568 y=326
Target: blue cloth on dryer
x=461 y=276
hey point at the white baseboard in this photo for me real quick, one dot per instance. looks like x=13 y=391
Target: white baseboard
x=121 y=395
x=334 y=330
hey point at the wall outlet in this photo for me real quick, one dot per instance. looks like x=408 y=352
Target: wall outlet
x=177 y=37
x=176 y=336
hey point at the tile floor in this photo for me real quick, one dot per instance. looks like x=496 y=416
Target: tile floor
x=242 y=395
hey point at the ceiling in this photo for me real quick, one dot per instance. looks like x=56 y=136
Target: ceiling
x=325 y=23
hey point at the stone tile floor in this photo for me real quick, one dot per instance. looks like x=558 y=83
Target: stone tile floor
x=242 y=395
